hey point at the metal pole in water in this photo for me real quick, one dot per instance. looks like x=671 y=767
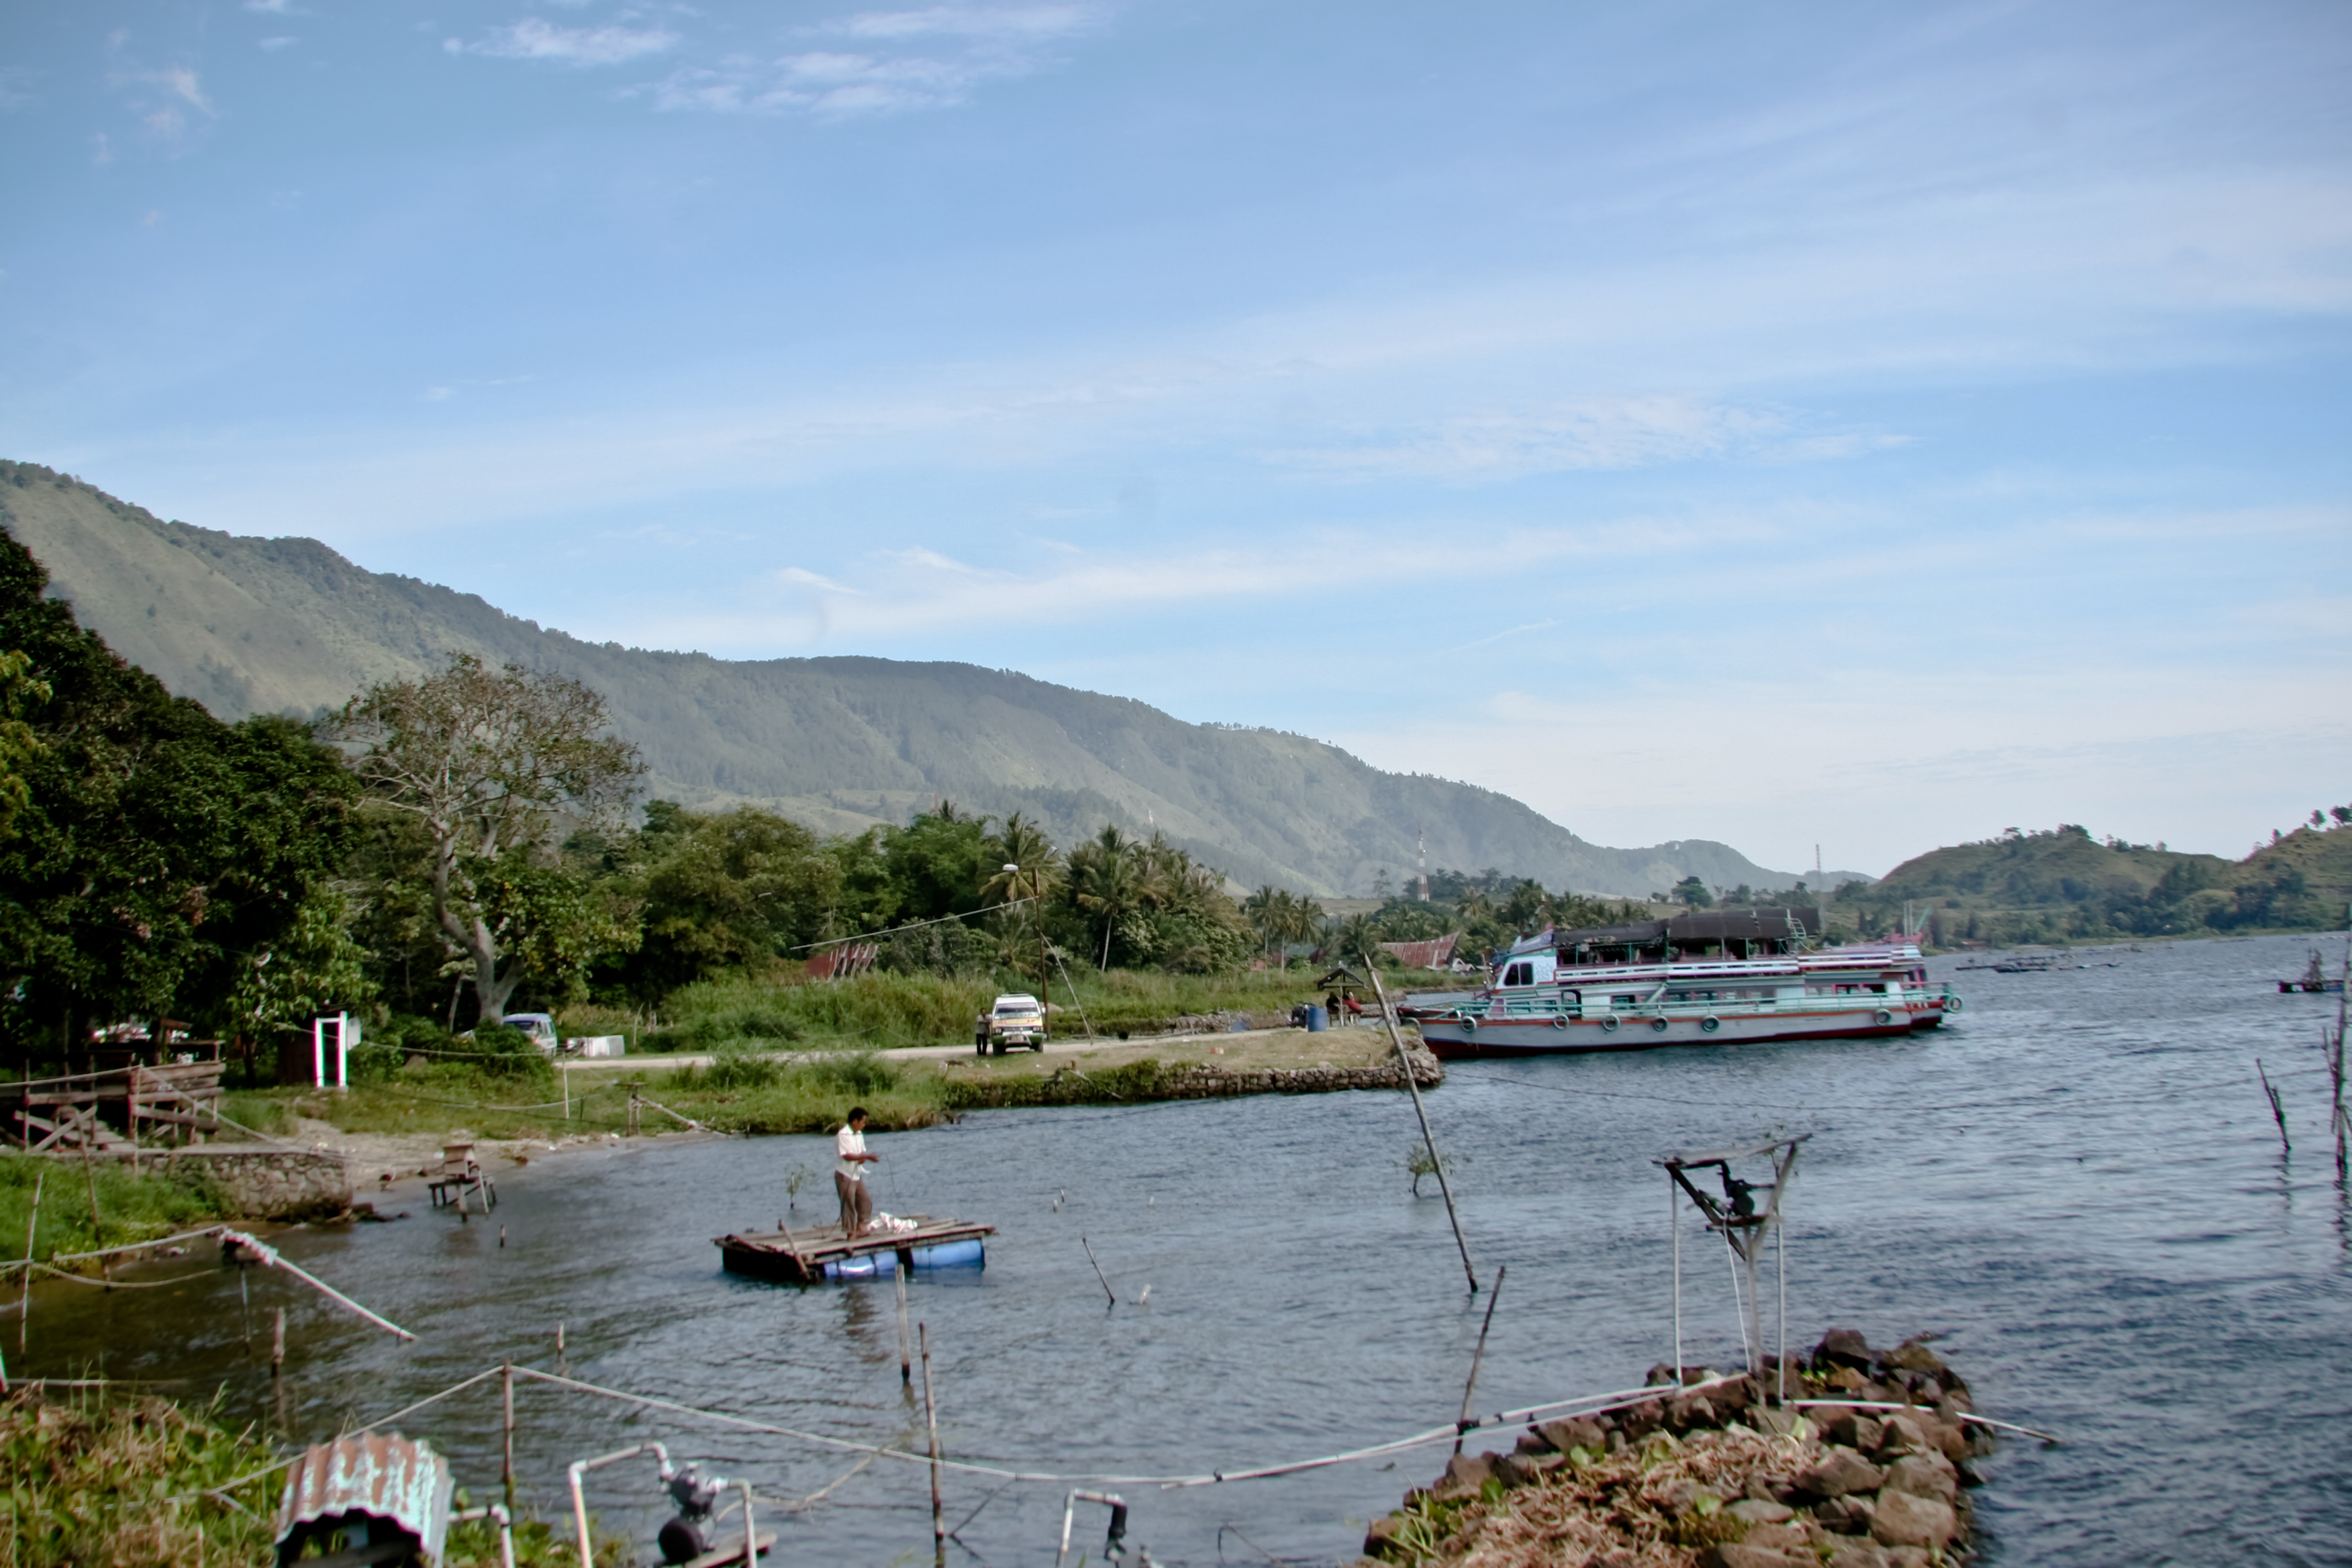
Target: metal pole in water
x=506 y=1390
x=1404 y=1065
x=931 y=1415
x=1675 y=1223
x=905 y=1368
x=277 y=1345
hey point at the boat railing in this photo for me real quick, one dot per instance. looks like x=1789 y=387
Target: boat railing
x=1538 y=1004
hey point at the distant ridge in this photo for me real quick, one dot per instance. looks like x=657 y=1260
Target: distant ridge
x=245 y=625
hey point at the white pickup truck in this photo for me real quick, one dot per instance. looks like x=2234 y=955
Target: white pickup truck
x=1013 y=1020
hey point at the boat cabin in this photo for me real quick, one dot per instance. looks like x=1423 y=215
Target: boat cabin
x=1706 y=933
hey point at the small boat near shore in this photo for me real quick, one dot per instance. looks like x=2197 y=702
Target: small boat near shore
x=2315 y=981
x=823 y=1252
x=1715 y=978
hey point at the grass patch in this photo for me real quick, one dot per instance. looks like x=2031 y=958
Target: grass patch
x=131 y=1208
x=754 y=1094
x=89 y=1477
x=879 y=1011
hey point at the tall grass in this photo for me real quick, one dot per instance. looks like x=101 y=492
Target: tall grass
x=131 y=1208
x=878 y=1011
x=89 y=1477
x=740 y=1093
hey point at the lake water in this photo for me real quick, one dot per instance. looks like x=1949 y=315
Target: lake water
x=2077 y=1182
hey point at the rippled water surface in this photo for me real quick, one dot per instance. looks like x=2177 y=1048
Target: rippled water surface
x=2077 y=1182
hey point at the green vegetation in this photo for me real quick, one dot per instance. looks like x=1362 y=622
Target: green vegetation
x=100 y=1477
x=131 y=1208
x=2065 y=885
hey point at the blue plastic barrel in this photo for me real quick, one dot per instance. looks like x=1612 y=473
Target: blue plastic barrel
x=1317 y=1020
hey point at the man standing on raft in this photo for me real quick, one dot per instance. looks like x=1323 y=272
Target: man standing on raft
x=849 y=1179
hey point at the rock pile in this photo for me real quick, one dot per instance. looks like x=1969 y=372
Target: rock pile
x=1726 y=1476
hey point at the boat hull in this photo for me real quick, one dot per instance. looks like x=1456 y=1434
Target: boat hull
x=1449 y=1040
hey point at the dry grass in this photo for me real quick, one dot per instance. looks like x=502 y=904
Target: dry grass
x=1637 y=1509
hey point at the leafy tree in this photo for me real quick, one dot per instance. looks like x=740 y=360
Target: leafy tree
x=154 y=849
x=489 y=765
x=1693 y=894
x=19 y=693
x=729 y=889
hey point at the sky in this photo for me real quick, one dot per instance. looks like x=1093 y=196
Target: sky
x=1836 y=425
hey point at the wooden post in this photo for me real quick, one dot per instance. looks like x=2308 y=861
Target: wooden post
x=25 y=1301
x=2278 y=1111
x=1462 y=1427
x=905 y=1350
x=931 y=1415
x=506 y=1390
x=1099 y=1273
x=559 y=1339
x=1404 y=1065
x=277 y=1345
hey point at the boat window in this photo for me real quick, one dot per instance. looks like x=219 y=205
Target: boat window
x=1621 y=1001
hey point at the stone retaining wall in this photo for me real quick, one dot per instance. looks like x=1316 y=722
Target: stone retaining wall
x=1209 y=1080
x=262 y=1182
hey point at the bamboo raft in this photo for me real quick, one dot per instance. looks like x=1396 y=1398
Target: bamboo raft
x=823 y=1252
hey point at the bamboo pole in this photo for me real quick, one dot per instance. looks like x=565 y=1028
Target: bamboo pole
x=96 y=1228
x=931 y=1417
x=1470 y=1387
x=277 y=1345
x=24 y=1298
x=2278 y=1111
x=1404 y=1065
x=1099 y=1273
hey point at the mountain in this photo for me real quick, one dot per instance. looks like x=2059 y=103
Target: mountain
x=2036 y=887
x=246 y=625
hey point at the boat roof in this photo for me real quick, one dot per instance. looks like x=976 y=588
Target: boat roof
x=1699 y=926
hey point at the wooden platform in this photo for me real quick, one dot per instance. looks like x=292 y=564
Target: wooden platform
x=800 y=1255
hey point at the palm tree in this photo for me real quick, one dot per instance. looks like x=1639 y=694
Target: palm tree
x=1111 y=882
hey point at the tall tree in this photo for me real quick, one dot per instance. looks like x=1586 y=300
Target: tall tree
x=493 y=767
x=155 y=849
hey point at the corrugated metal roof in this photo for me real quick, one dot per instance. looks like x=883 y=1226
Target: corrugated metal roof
x=387 y=1478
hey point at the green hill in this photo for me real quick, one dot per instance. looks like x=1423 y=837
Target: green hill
x=2064 y=884
x=247 y=624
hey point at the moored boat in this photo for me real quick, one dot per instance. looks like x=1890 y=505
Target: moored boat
x=1715 y=978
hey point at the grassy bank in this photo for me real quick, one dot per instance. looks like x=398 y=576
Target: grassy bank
x=883 y=1011
x=129 y=1207
x=798 y=1090
x=98 y=1477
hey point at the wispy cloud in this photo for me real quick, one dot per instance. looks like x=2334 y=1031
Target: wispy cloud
x=170 y=100
x=534 y=39
x=282 y=41
x=273 y=7
x=1594 y=433
x=899 y=61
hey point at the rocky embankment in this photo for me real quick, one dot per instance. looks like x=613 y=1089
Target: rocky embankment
x=1150 y=1079
x=1721 y=1477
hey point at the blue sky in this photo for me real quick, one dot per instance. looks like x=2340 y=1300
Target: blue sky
x=1858 y=424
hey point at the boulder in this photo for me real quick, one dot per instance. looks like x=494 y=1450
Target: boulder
x=1848 y=1515
x=1903 y=1519
x=1779 y=1423
x=1740 y=1555
x=1857 y=1430
x=1521 y=1469
x=1788 y=1537
x=1845 y=1346
x=1910 y=1557
x=1902 y=1434
x=1381 y=1539
x=1912 y=1355
x=1840 y=1472
x=1639 y=1421
x=1846 y=1380
x=1925 y=1475
x=1761 y=1512
x=1577 y=1432
x=1859 y=1554
x=1684 y=1414
x=1464 y=1474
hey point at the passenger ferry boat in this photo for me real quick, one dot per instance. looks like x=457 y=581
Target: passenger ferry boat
x=1716 y=978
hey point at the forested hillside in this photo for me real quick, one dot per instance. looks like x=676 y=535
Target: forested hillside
x=257 y=626
x=2065 y=884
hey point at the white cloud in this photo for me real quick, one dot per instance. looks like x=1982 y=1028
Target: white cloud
x=273 y=7
x=982 y=43
x=1023 y=23
x=283 y=41
x=1596 y=433
x=533 y=39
